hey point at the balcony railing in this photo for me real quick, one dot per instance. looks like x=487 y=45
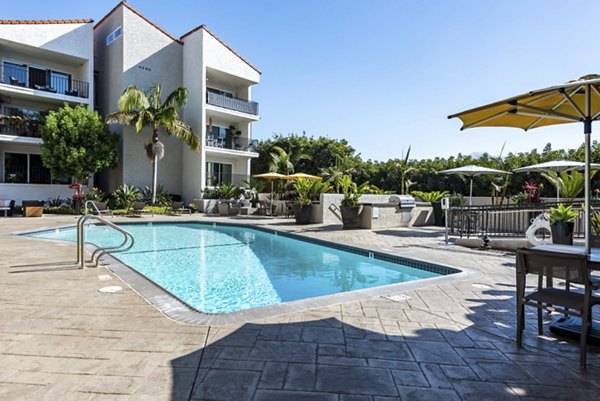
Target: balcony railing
x=22 y=127
x=232 y=103
x=213 y=180
x=241 y=144
x=44 y=81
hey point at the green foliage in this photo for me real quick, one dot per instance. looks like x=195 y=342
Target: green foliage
x=520 y=198
x=55 y=202
x=224 y=191
x=76 y=143
x=302 y=192
x=570 y=184
x=433 y=196
x=352 y=192
x=93 y=194
x=283 y=162
x=595 y=221
x=562 y=213
x=125 y=196
x=457 y=200
x=163 y=198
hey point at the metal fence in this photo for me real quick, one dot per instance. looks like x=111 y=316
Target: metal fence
x=44 y=80
x=232 y=103
x=231 y=142
x=505 y=221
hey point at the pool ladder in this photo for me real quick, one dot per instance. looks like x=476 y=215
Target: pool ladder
x=127 y=244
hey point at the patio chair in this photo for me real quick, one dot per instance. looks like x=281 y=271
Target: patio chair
x=103 y=209
x=574 y=269
x=138 y=209
x=178 y=208
x=7 y=206
x=265 y=208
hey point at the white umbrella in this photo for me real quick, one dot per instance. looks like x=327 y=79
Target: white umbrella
x=556 y=166
x=472 y=171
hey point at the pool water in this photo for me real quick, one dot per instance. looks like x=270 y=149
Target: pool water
x=221 y=269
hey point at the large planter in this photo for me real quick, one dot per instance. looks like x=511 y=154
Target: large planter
x=438 y=214
x=562 y=233
x=302 y=213
x=228 y=208
x=351 y=216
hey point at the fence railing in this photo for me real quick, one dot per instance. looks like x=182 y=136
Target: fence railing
x=505 y=221
x=241 y=144
x=44 y=81
x=232 y=103
x=21 y=128
x=236 y=179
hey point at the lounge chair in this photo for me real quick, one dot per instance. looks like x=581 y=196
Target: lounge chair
x=178 y=208
x=138 y=209
x=7 y=206
x=573 y=269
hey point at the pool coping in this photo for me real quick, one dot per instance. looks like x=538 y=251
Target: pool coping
x=176 y=309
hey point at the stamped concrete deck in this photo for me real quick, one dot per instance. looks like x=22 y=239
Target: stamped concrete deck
x=61 y=339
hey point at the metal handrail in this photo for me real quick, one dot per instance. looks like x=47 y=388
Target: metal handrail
x=100 y=251
x=91 y=202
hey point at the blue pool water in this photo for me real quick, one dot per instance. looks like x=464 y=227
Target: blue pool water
x=220 y=269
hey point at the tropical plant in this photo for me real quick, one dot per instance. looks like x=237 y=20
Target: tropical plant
x=352 y=192
x=457 y=200
x=125 y=196
x=284 y=162
x=55 y=202
x=224 y=191
x=562 y=213
x=433 y=196
x=146 y=109
x=533 y=193
x=404 y=168
x=570 y=184
x=520 y=198
x=319 y=187
x=76 y=143
x=162 y=198
x=595 y=221
x=93 y=194
x=302 y=192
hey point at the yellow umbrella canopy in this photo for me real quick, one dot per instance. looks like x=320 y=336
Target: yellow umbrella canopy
x=270 y=177
x=575 y=101
x=295 y=176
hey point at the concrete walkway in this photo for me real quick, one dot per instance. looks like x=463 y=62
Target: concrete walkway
x=61 y=339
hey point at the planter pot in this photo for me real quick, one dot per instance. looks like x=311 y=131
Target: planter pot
x=438 y=214
x=351 y=216
x=562 y=233
x=302 y=213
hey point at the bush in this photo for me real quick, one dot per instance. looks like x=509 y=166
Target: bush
x=162 y=197
x=125 y=196
x=55 y=202
x=433 y=196
x=94 y=194
x=224 y=191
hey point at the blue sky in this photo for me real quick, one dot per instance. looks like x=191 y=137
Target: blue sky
x=384 y=74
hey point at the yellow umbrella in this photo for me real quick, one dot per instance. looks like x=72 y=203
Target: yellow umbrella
x=270 y=177
x=575 y=101
x=295 y=176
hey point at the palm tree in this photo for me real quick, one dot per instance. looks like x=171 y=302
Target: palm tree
x=144 y=109
x=284 y=162
x=404 y=168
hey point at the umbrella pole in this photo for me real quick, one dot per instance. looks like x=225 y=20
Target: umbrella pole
x=557 y=189
x=471 y=192
x=588 y=133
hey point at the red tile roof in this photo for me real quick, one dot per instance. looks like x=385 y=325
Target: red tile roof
x=223 y=43
x=44 y=21
x=180 y=40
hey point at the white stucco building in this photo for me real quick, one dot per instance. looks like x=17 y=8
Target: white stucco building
x=121 y=49
x=43 y=65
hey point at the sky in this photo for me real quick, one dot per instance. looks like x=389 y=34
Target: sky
x=385 y=74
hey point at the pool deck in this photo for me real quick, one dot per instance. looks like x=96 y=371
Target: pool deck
x=62 y=339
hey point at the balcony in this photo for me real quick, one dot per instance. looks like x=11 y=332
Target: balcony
x=19 y=126
x=232 y=143
x=43 y=80
x=232 y=103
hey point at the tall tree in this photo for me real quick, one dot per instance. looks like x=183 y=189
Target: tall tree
x=284 y=162
x=77 y=144
x=145 y=109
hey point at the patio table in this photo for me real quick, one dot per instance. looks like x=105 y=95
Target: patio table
x=570 y=326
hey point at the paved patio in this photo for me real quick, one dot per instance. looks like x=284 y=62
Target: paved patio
x=61 y=339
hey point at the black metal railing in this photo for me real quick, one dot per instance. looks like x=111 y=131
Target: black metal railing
x=234 y=143
x=44 y=80
x=20 y=128
x=232 y=103
x=17 y=174
x=214 y=180
x=505 y=221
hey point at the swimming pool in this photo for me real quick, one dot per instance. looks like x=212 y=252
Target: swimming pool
x=220 y=269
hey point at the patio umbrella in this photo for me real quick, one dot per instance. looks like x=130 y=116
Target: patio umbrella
x=575 y=101
x=295 y=176
x=556 y=166
x=472 y=171
x=270 y=177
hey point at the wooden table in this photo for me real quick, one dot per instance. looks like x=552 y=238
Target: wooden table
x=570 y=326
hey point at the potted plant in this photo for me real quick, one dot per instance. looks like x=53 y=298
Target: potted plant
x=562 y=220
x=435 y=198
x=350 y=208
x=302 y=200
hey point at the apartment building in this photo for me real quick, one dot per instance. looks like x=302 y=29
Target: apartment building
x=43 y=64
x=47 y=63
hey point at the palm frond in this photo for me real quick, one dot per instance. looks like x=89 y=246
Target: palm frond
x=177 y=98
x=185 y=133
x=154 y=94
x=133 y=99
x=120 y=117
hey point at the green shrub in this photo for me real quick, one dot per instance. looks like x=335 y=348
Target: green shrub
x=162 y=197
x=433 y=196
x=125 y=196
x=562 y=213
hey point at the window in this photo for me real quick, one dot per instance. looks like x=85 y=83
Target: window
x=218 y=173
x=23 y=168
x=15 y=74
x=111 y=37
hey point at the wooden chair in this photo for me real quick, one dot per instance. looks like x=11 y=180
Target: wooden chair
x=574 y=269
x=138 y=209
